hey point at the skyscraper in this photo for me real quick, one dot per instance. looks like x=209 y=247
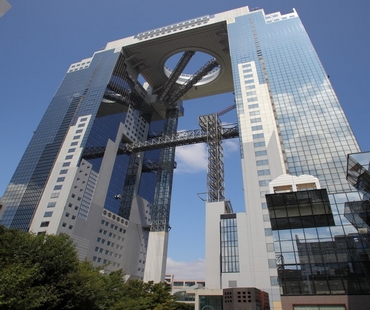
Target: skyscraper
x=88 y=171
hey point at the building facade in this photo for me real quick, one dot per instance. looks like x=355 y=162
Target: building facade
x=294 y=239
x=72 y=178
x=84 y=172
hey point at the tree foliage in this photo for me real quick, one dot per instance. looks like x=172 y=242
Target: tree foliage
x=43 y=272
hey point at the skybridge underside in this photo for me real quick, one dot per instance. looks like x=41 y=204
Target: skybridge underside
x=179 y=139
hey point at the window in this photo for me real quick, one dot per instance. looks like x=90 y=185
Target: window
x=255 y=120
x=48 y=214
x=258 y=127
x=44 y=224
x=250 y=87
x=54 y=195
x=69 y=156
x=253 y=113
x=268 y=232
x=71 y=150
x=66 y=164
x=272 y=263
x=249 y=81
x=263 y=172
x=79 y=130
x=252 y=99
x=262 y=162
x=84 y=119
x=64 y=171
x=247 y=76
x=51 y=204
x=77 y=137
x=74 y=143
x=259 y=144
x=260 y=153
x=251 y=93
x=270 y=247
x=253 y=106
x=61 y=179
x=67 y=214
x=264 y=182
x=264 y=205
x=257 y=136
x=274 y=281
x=81 y=125
x=57 y=187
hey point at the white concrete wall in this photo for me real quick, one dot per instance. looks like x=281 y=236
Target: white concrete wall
x=213 y=246
x=156 y=257
x=60 y=170
x=254 y=264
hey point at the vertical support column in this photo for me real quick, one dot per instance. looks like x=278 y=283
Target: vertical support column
x=211 y=124
x=129 y=186
x=158 y=236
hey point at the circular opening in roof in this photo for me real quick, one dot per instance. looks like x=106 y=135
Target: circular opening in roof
x=197 y=61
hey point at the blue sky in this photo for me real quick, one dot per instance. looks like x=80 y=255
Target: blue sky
x=40 y=39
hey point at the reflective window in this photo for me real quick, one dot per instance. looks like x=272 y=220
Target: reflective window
x=255 y=120
x=260 y=153
x=258 y=136
x=229 y=244
x=263 y=172
x=253 y=106
x=259 y=127
x=52 y=204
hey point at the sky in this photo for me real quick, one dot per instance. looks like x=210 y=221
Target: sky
x=39 y=39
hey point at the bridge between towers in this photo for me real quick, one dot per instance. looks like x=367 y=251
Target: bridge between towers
x=212 y=132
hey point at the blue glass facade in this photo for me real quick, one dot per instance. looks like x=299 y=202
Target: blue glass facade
x=81 y=93
x=229 y=244
x=317 y=250
x=78 y=95
x=314 y=130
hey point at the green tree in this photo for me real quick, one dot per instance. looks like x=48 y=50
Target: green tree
x=138 y=295
x=42 y=272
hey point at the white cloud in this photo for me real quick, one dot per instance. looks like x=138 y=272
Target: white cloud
x=191 y=158
x=230 y=146
x=193 y=270
x=194 y=158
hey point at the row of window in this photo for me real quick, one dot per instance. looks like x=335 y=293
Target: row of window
x=58 y=187
x=106 y=262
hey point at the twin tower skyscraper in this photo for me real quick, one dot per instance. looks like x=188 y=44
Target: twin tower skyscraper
x=84 y=173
